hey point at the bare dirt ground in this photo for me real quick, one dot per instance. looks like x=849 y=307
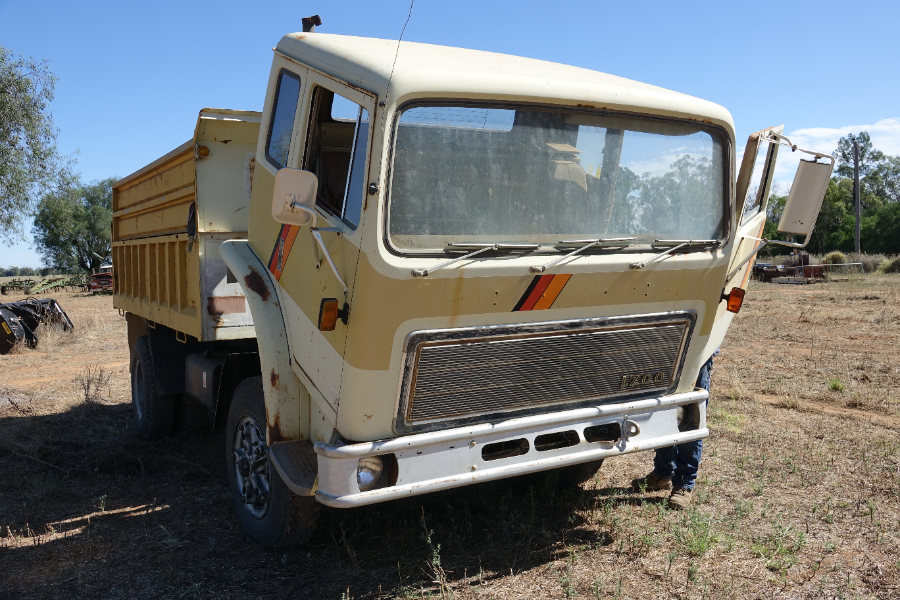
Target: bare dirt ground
x=798 y=497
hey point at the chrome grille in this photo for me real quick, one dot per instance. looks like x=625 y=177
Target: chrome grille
x=458 y=375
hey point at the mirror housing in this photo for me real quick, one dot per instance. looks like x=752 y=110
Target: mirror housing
x=294 y=199
x=805 y=200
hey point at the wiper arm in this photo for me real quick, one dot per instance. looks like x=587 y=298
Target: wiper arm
x=680 y=244
x=587 y=245
x=479 y=248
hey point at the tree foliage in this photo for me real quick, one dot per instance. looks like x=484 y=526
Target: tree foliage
x=30 y=164
x=72 y=227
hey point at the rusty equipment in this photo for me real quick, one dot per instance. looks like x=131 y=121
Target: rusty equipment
x=20 y=321
x=798 y=270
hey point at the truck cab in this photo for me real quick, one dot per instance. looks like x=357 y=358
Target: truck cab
x=465 y=266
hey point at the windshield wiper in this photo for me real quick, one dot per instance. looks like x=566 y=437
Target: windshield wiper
x=478 y=249
x=680 y=244
x=587 y=244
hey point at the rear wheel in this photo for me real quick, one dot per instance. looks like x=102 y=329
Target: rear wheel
x=152 y=412
x=575 y=475
x=271 y=515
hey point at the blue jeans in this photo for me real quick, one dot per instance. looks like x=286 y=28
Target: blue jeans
x=681 y=462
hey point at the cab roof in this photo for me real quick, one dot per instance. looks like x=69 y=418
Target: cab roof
x=426 y=70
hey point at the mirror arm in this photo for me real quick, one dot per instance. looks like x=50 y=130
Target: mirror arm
x=760 y=247
x=294 y=206
x=318 y=237
x=777 y=139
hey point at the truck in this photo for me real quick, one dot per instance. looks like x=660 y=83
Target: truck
x=423 y=267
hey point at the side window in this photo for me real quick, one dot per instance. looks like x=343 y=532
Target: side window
x=756 y=197
x=336 y=152
x=287 y=94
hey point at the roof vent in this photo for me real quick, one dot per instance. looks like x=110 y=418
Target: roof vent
x=309 y=23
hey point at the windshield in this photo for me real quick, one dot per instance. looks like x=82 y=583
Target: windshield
x=471 y=174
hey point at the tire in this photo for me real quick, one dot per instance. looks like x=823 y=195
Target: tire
x=271 y=515
x=153 y=413
x=576 y=475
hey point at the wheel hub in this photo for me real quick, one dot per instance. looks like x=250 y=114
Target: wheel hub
x=251 y=464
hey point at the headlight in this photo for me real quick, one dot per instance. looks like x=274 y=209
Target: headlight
x=369 y=472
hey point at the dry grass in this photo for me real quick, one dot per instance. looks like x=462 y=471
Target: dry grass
x=799 y=492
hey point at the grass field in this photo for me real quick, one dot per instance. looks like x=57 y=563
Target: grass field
x=798 y=496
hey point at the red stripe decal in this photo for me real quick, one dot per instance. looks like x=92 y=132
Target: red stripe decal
x=535 y=294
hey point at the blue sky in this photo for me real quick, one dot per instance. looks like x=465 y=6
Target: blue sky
x=132 y=76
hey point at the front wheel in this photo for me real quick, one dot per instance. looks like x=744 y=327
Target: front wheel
x=271 y=515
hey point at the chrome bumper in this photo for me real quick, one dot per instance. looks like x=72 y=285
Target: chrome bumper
x=440 y=460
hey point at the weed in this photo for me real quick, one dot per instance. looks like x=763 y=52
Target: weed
x=743 y=508
x=94 y=384
x=696 y=535
x=835 y=384
x=757 y=488
x=434 y=563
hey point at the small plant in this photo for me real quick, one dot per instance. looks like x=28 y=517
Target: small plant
x=743 y=508
x=94 y=384
x=835 y=258
x=757 y=488
x=437 y=571
x=696 y=535
x=836 y=384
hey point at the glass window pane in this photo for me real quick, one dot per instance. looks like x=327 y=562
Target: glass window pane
x=356 y=185
x=343 y=109
x=281 y=129
x=336 y=152
x=765 y=158
x=527 y=175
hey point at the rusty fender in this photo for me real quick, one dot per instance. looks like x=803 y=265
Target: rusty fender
x=280 y=385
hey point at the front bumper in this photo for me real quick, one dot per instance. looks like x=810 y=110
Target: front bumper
x=451 y=458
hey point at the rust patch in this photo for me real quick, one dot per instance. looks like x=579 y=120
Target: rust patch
x=273 y=379
x=275 y=434
x=367 y=416
x=256 y=283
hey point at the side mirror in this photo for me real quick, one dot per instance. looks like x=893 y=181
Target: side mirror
x=294 y=199
x=805 y=200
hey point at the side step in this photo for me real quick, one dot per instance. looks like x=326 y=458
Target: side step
x=297 y=464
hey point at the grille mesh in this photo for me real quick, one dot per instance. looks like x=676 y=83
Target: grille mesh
x=488 y=375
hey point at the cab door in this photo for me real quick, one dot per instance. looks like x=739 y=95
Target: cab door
x=333 y=143
x=752 y=192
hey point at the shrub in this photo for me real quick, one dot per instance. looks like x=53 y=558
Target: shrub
x=892 y=266
x=870 y=262
x=835 y=258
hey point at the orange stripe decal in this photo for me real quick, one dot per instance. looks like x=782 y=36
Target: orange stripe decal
x=283 y=244
x=552 y=292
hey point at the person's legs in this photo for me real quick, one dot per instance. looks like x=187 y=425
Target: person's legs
x=680 y=463
x=664 y=461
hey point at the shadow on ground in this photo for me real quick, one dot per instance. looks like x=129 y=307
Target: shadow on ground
x=90 y=509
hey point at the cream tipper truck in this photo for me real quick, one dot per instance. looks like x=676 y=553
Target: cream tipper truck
x=422 y=267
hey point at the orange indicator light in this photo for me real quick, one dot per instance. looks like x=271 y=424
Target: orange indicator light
x=735 y=299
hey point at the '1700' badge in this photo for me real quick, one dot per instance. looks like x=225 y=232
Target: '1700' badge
x=644 y=380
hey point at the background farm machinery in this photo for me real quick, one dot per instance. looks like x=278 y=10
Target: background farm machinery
x=31 y=287
x=20 y=322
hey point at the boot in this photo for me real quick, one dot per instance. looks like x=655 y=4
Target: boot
x=652 y=483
